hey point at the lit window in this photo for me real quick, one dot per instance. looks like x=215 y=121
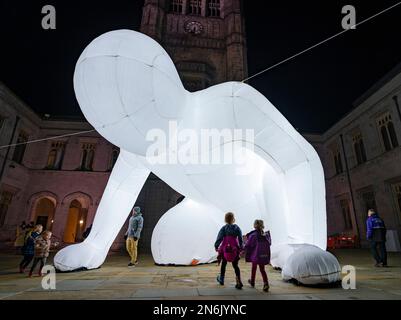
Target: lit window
x=359 y=148
x=176 y=6
x=56 y=154
x=195 y=7
x=88 y=154
x=387 y=132
x=214 y=8
x=19 y=150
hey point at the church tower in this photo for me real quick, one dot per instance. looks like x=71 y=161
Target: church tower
x=205 y=38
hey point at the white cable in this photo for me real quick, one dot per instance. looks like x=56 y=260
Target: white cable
x=45 y=139
x=320 y=43
x=245 y=80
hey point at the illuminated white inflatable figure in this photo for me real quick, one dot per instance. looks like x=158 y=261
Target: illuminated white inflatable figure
x=127 y=86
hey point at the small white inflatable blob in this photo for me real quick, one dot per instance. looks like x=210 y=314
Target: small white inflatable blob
x=310 y=265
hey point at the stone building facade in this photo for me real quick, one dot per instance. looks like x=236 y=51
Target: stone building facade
x=361 y=156
x=59 y=182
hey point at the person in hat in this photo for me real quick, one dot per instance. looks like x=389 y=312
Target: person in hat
x=133 y=234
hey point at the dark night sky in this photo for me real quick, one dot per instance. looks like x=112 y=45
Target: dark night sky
x=313 y=91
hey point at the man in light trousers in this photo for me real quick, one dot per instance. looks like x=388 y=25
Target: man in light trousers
x=133 y=234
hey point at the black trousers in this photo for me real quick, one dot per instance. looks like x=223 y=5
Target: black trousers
x=379 y=255
x=235 y=266
x=26 y=261
x=37 y=260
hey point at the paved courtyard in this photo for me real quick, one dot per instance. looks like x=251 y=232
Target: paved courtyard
x=147 y=281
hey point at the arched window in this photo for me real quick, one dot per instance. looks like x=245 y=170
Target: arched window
x=213 y=8
x=91 y=156
x=176 y=6
x=195 y=7
x=83 y=160
x=339 y=163
x=392 y=133
x=387 y=132
x=51 y=159
x=19 y=150
x=56 y=154
x=88 y=155
x=359 y=148
x=385 y=137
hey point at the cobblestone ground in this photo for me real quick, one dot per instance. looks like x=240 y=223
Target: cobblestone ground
x=147 y=281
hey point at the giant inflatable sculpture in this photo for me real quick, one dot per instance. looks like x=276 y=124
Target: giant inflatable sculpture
x=127 y=86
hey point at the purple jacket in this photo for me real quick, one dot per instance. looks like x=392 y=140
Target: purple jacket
x=257 y=248
x=375 y=228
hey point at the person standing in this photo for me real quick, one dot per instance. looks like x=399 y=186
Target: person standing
x=257 y=251
x=376 y=235
x=229 y=245
x=20 y=237
x=133 y=234
x=28 y=249
x=87 y=232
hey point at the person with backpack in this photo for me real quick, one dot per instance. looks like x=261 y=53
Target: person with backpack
x=257 y=251
x=28 y=250
x=376 y=235
x=229 y=245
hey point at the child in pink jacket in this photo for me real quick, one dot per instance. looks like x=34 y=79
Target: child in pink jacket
x=257 y=251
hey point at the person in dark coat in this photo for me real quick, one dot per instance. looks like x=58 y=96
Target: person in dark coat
x=229 y=245
x=257 y=251
x=87 y=232
x=376 y=235
x=28 y=249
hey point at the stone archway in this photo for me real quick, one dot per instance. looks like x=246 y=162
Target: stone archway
x=43 y=208
x=77 y=215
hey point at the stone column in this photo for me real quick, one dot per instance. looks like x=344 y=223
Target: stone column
x=185 y=4
x=204 y=8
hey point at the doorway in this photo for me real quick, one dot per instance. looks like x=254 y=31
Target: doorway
x=44 y=213
x=76 y=223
